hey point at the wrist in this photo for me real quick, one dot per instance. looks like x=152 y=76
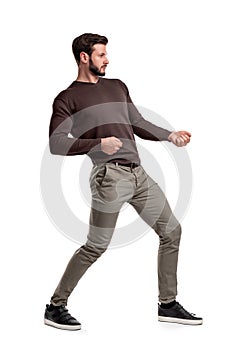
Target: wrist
x=170 y=136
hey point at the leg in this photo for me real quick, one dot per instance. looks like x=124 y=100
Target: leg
x=85 y=256
x=151 y=204
x=106 y=204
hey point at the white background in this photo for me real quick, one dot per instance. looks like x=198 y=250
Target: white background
x=176 y=58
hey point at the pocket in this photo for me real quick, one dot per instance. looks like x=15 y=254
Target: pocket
x=101 y=175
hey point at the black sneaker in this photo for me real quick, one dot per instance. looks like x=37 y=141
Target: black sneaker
x=178 y=314
x=59 y=317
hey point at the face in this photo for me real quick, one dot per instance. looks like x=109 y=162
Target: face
x=98 y=60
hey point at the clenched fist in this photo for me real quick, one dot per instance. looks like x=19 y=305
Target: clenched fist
x=110 y=145
x=180 y=138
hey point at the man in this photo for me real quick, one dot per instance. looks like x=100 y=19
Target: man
x=102 y=120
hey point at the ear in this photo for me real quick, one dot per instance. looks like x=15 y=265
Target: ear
x=84 y=57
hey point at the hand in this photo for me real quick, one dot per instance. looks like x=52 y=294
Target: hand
x=180 y=138
x=110 y=145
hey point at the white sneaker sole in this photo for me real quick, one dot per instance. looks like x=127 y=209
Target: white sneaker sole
x=179 y=320
x=62 y=326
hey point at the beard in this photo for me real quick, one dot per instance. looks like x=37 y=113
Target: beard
x=95 y=70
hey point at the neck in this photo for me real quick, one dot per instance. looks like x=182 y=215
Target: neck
x=87 y=77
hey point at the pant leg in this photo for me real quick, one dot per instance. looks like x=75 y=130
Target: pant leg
x=153 y=207
x=85 y=256
x=107 y=200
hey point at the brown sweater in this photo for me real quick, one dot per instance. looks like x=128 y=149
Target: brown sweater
x=86 y=112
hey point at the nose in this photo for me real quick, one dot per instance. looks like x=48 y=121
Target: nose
x=106 y=61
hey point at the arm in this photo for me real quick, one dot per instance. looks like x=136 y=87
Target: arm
x=60 y=126
x=142 y=127
x=148 y=131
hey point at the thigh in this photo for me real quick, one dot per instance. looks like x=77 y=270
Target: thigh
x=110 y=190
x=111 y=187
x=151 y=204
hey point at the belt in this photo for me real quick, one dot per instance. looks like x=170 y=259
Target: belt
x=129 y=165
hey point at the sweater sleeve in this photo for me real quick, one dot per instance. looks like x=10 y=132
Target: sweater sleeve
x=60 y=142
x=142 y=127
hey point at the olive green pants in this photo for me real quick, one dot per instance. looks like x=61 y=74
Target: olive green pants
x=112 y=185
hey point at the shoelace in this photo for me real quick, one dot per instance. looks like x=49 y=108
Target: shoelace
x=183 y=311
x=64 y=314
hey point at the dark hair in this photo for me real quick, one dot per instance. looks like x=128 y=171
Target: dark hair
x=85 y=43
